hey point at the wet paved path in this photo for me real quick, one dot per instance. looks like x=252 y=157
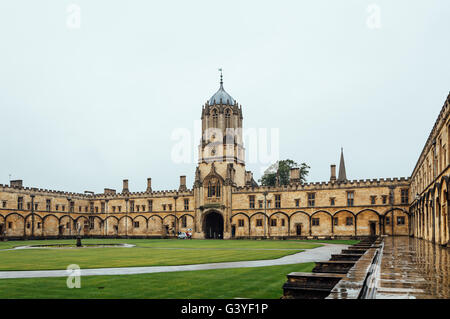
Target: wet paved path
x=413 y=268
x=311 y=255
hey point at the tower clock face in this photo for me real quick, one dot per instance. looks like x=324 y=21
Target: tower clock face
x=213 y=151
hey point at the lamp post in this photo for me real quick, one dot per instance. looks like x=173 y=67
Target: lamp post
x=78 y=234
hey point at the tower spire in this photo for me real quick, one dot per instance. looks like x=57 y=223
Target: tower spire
x=342 y=174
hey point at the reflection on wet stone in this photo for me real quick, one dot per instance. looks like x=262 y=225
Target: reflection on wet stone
x=413 y=268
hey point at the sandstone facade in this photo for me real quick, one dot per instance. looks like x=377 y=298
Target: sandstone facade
x=225 y=202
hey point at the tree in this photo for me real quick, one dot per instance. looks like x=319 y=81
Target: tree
x=282 y=169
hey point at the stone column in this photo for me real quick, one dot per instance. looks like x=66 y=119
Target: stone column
x=439 y=211
x=433 y=221
x=447 y=233
x=425 y=221
x=422 y=226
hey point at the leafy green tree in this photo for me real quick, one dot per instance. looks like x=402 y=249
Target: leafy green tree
x=282 y=169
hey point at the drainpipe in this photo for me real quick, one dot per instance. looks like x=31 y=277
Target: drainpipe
x=392 y=208
x=176 y=219
x=70 y=217
x=126 y=217
x=32 y=215
x=107 y=215
x=265 y=212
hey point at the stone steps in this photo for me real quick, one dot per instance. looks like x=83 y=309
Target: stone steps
x=325 y=275
x=353 y=251
x=335 y=267
x=346 y=257
x=302 y=285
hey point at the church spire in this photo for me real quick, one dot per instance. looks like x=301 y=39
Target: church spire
x=342 y=174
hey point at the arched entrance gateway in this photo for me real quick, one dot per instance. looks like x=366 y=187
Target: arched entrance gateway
x=213 y=225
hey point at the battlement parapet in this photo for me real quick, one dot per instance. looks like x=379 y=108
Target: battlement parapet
x=326 y=185
x=153 y=194
x=42 y=191
x=441 y=119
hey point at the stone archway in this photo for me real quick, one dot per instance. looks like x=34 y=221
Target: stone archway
x=213 y=225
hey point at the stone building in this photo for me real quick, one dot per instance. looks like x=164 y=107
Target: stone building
x=225 y=201
x=429 y=205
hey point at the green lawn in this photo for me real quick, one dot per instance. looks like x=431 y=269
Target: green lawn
x=148 y=252
x=174 y=243
x=44 y=259
x=261 y=282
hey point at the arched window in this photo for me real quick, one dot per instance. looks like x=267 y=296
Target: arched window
x=215 y=118
x=214 y=188
x=228 y=119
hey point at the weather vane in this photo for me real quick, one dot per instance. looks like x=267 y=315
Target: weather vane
x=221 y=76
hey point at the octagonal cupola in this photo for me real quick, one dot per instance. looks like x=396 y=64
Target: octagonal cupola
x=221 y=96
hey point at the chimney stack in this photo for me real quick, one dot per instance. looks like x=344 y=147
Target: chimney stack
x=109 y=191
x=17 y=183
x=333 y=173
x=294 y=175
x=248 y=178
x=149 y=185
x=182 y=184
x=125 y=186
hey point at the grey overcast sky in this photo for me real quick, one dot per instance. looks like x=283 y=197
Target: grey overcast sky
x=82 y=109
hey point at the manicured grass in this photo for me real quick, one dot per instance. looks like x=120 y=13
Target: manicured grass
x=49 y=259
x=148 y=252
x=174 y=243
x=261 y=282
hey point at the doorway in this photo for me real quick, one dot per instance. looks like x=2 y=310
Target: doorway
x=299 y=229
x=373 y=229
x=213 y=226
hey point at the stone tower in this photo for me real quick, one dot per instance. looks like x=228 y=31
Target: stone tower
x=221 y=165
x=221 y=141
